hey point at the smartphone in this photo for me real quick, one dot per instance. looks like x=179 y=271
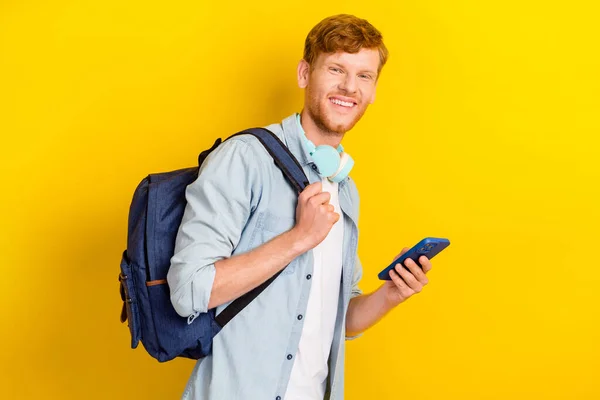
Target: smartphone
x=427 y=247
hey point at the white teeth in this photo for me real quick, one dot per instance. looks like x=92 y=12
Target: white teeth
x=342 y=103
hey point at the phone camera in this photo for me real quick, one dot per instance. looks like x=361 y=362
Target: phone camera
x=427 y=248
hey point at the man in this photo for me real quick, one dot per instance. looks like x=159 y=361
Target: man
x=243 y=223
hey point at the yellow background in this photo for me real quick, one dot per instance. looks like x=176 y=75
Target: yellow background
x=485 y=131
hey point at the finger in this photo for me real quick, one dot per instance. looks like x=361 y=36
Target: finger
x=416 y=271
x=319 y=199
x=409 y=278
x=425 y=263
x=336 y=217
x=311 y=190
x=323 y=197
x=402 y=287
x=326 y=208
x=400 y=284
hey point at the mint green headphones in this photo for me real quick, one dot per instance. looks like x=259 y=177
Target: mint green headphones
x=332 y=163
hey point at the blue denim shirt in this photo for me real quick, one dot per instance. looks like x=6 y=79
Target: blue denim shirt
x=240 y=201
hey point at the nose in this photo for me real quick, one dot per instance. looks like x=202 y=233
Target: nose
x=348 y=83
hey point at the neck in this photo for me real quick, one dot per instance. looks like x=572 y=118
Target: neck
x=317 y=135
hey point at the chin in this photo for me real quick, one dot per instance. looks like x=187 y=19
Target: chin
x=340 y=128
x=343 y=124
x=328 y=120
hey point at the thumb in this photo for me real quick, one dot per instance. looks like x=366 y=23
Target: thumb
x=311 y=190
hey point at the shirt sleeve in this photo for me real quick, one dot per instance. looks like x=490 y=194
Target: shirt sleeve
x=219 y=204
x=356 y=291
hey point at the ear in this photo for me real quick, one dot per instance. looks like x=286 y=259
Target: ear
x=303 y=73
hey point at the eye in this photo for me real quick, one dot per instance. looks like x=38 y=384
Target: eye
x=365 y=76
x=336 y=70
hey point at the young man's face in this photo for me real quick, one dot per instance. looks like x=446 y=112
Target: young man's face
x=339 y=88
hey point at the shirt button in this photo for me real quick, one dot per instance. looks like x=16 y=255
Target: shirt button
x=289 y=357
x=300 y=317
x=308 y=276
x=314 y=166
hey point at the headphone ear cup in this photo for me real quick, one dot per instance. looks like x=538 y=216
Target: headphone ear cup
x=346 y=164
x=327 y=160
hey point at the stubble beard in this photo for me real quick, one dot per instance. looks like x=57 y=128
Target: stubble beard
x=318 y=114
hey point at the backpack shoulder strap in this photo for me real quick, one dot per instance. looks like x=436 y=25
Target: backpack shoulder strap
x=282 y=156
x=292 y=170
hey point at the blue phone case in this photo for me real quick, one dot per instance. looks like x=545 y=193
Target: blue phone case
x=427 y=247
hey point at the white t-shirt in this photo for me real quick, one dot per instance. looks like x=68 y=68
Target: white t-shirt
x=309 y=374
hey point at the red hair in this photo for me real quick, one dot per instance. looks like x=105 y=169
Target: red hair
x=345 y=33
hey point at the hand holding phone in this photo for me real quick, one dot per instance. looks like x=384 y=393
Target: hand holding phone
x=427 y=247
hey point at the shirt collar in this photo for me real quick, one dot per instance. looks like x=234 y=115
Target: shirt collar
x=295 y=137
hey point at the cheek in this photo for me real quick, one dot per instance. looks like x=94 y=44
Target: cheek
x=318 y=94
x=368 y=92
x=326 y=84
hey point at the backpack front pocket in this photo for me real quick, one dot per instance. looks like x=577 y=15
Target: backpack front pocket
x=129 y=312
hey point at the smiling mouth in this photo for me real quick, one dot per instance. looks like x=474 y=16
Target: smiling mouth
x=342 y=103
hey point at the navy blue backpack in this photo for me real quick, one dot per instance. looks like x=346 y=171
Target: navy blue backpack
x=155 y=214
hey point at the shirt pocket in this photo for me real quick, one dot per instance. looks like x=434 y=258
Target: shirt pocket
x=274 y=225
